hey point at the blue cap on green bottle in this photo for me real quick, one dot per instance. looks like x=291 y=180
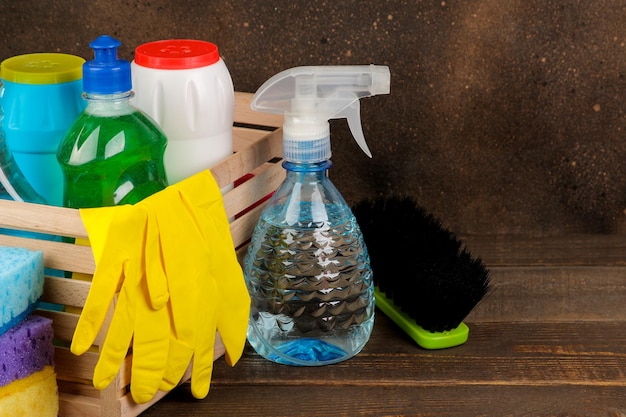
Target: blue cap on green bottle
x=106 y=74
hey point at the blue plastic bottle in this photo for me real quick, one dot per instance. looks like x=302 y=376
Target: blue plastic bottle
x=113 y=153
x=307 y=267
x=13 y=184
x=41 y=99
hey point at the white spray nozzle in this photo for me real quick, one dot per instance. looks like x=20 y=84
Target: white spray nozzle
x=309 y=97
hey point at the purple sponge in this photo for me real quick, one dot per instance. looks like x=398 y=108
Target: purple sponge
x=25 y=349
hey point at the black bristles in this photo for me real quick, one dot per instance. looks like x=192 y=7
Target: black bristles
x=420 y=265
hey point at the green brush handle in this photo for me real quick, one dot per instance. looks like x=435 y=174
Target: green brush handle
x=424 y=338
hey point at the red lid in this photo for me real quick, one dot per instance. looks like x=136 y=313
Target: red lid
x=176 y=54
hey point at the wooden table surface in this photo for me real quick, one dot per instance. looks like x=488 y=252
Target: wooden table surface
x=550 y=340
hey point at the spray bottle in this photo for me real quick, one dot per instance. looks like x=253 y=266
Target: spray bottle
x=307 y=267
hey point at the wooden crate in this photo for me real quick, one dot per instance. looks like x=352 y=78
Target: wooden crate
x=257 y=143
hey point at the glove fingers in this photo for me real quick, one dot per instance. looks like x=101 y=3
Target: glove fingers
x=102 y=225
x=234 y=306
x=202 y=197
x=202 y=368
x=184 y=260
x=151 y=332
x=207 y=302
x=150 y=351
x=234 y=303
x=93 y=314
x=232 y=323
x=156 y=279
x=129 y=231
x=183 y=214
x=179 y=358
x=117 y=342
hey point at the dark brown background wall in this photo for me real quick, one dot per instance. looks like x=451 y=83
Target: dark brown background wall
x=505 y=116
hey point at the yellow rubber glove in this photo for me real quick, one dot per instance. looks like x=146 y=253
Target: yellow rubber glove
x=202 y=196
x=205 y=281
x=118 y=237
x=193 y=295
x=172 y=258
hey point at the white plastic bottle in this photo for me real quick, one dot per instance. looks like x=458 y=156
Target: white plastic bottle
x=186 y=88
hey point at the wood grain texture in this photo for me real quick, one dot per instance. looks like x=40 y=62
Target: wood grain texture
x=568 y=250
x=351 y=400
x=245 y=114
x=248 y=158
x=43 y=219
x=550 y=340
x=504 y=369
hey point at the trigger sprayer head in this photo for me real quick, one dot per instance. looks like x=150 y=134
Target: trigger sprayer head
x=309 y=97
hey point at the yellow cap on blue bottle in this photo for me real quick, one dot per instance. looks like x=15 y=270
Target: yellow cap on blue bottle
x=42 y=68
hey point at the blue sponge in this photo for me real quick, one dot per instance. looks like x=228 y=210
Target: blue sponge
x=21 y=284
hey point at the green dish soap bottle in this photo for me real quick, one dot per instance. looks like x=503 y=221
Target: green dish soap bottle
x=307 y=268
x=113 y=153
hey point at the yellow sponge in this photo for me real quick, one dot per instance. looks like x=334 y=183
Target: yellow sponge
x=33 y=396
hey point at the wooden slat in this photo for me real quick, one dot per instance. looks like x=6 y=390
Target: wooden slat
x=243 y=136
x=264 y=182
x=63 y=323
x=551 y=279
x=553 y=294
x=244 y=114
x=249 y=158
x=57 y=255
x=78 y=388
x=532 y=354
x=67 y=292
x=78 y=405
x=375 y=401
x=241 y=229
x=127 y=406
x=110 y=405
x=571 y=250
x=242 y=251
x=505 y=368
x=72 y=368
x=43 y=219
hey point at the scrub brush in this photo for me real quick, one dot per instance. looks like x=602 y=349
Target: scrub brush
x=425 y=280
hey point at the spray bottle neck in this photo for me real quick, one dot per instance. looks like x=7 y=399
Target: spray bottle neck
x=300 y=167
x=306 y=141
